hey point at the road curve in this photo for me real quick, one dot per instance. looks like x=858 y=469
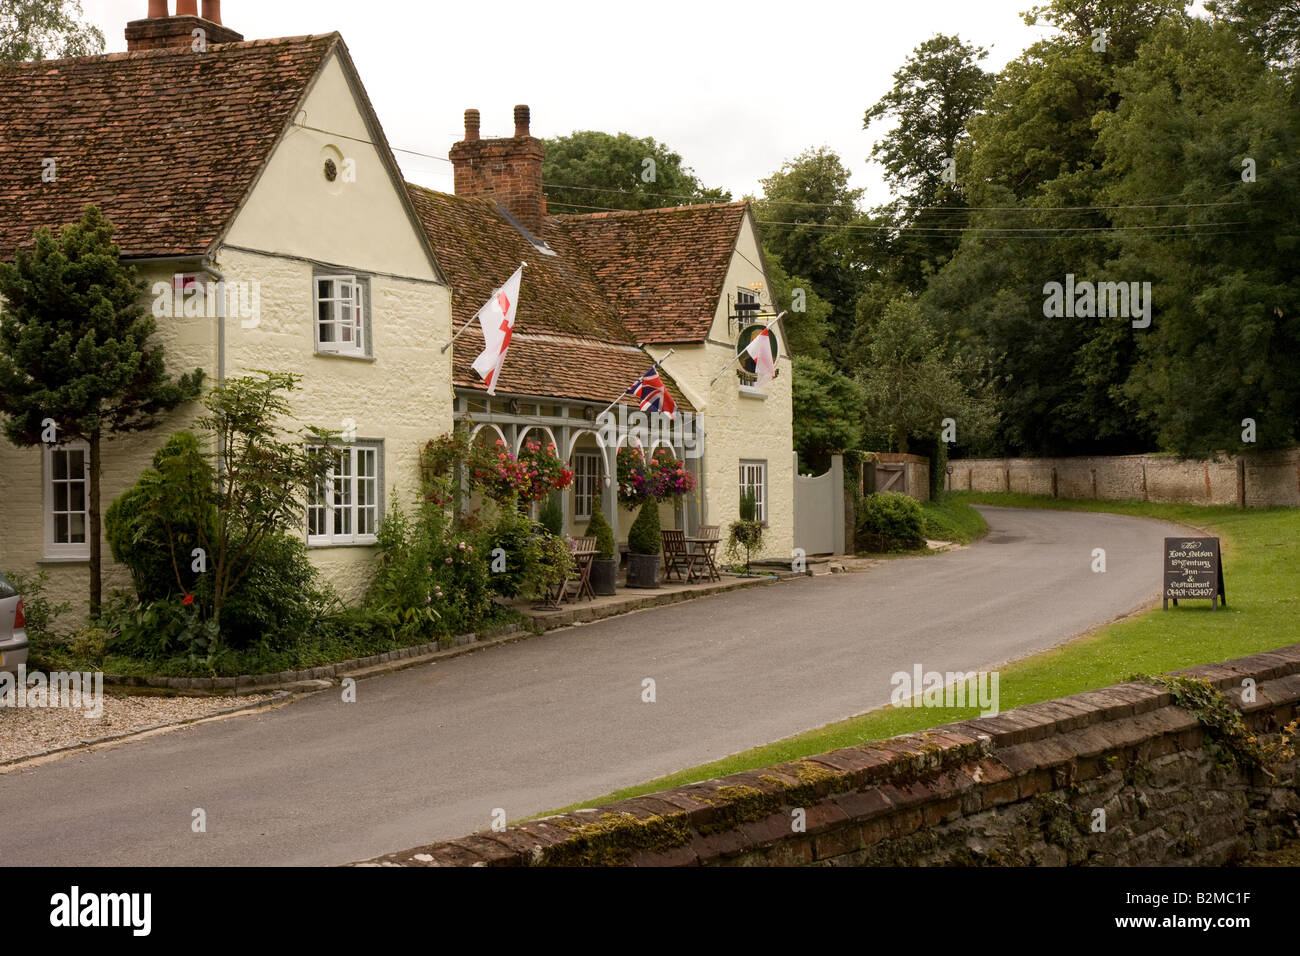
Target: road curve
x=429 y=753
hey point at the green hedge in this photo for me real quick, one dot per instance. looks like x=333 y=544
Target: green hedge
x=889 y=521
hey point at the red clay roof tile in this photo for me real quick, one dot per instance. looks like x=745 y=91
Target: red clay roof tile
x=165 y=142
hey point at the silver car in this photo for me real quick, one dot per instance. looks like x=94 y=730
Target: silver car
x=13 y=628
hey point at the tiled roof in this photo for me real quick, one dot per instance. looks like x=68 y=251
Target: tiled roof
x=165 y=142
x=663 y=269
x=568 y=342
x=560 y=367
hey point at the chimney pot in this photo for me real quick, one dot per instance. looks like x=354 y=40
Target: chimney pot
x=158 y=8
x=521 y=120
x=187 y=8
x=212 y=10
x=471 y=125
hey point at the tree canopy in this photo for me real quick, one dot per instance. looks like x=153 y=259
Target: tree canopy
x=589 y=169
x=45 y=29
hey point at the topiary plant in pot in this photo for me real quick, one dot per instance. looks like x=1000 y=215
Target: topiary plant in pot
x=604 y=569
x=643 y=547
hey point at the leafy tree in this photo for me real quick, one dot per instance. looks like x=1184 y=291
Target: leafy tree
x=1272 y=25
x=827 y=411
x=806 y=325
x=610 y=171
x=39 y=29
x=802 y=214
x=75 y=352
x=935 y=94
x=259 y=482
x=909 y=386
x=1225 y=340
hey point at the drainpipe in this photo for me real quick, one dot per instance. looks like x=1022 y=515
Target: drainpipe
x=211 y=270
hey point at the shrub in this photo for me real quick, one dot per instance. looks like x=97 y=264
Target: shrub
x=599 y=528
x=277 y=598
x=643 y=536
x=551 y=516
x=90 y=643
x=40 y=611
x=891 y=521
x=139 y=534
x=748 y=504
x=533 y=559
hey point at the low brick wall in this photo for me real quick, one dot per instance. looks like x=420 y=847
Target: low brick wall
x=1021 y=788
x=1258 y=480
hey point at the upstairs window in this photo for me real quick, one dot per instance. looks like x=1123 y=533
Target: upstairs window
x=341 y=326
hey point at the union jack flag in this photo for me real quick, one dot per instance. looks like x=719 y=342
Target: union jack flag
x=653 y=393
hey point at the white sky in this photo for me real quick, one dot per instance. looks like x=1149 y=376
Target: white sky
x=735 y=88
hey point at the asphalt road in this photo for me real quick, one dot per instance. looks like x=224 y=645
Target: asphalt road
x=429 y=753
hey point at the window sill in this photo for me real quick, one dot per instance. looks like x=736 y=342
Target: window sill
x=354 y=356
x=363 y=543
x=747 y=391
x=64 y=559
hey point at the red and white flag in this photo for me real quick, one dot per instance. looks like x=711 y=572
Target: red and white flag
x=760 y=350
x=497 y=320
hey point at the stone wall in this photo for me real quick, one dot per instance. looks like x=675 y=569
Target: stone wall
x=1026 y=787
x=1257 y=480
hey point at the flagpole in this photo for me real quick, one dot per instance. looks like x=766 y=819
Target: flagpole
x=443 y=350
x=624 y=393
x=737 y=356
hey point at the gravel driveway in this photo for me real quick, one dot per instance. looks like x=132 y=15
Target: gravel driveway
x=26 y=731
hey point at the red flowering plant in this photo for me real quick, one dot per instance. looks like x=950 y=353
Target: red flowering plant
x=531 y=476
x=660 y=476
x=670 y=477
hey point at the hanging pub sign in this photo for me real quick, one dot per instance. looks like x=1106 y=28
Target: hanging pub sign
x=742 y=343
x=1193 y=571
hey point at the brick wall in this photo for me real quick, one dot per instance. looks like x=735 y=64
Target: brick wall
x=1021 y=788
x=1259 y=480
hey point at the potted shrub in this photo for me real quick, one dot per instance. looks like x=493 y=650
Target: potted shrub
x=604 y=568
x=745 y=533
x=643 y=547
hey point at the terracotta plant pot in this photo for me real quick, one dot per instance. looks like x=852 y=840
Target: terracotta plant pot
x=643 y=570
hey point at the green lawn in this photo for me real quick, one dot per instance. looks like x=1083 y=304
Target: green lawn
x=1261 y=560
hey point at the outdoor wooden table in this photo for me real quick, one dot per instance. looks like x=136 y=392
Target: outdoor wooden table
x=703 y=548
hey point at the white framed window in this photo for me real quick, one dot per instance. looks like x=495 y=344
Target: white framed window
x=341 y=327
x=67 y=501
x=586 y=484
x=753 y=477
x=345 y=508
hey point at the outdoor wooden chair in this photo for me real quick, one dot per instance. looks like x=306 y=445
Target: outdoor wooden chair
x=584 y=553
x=677 y=559
x=705 y=547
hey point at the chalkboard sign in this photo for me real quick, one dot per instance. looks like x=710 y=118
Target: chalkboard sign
x=1193 y=571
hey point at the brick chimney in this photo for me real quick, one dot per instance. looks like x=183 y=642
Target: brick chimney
x=507 y=170
x=162 y=31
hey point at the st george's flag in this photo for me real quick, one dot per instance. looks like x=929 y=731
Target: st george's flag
x=760 y=350
x=653 y=393
x=497 y=320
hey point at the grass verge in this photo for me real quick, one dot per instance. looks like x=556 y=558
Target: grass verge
x=1261 y=559
x=953 y=519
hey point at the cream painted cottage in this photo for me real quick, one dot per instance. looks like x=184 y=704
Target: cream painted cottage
x=262 y=165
